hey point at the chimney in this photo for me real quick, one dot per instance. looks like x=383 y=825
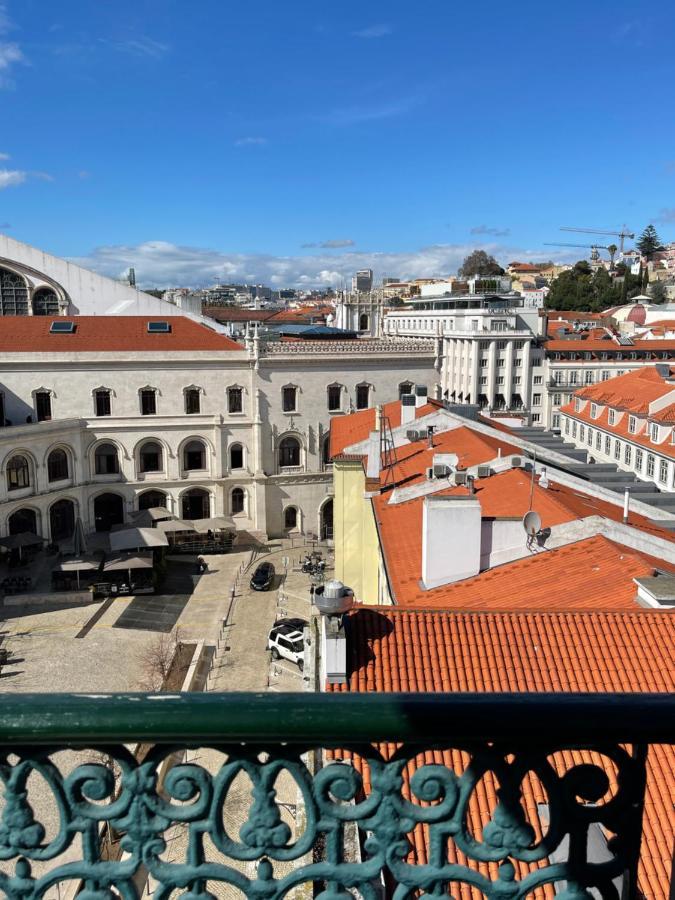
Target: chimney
x=430 y=436
x=333 y=600
x=420 y=395
x=451 y=539
x=374 y=456
x=626 y=505
x=407 y=409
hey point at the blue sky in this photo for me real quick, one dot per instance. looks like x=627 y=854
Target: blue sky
x=292 y=142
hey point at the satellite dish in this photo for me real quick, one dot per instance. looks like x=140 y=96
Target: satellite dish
x=532 y=523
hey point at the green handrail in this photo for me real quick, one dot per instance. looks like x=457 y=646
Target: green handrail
x=569 y=720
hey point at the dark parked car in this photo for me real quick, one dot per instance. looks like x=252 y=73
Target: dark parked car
x=262 y=578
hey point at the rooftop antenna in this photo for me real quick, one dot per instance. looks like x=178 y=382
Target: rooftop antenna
x=132 y=277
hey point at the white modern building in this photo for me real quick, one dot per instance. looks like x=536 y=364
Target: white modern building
x=490 y=348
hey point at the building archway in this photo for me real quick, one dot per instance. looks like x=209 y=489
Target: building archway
x=45 y=302
x=196 y=504
x=22 y=520
x=152 y=500
x=108 y=511
x=326 y=520
x=62 y=520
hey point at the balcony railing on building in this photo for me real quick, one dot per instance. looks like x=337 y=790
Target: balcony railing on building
x=508 y=795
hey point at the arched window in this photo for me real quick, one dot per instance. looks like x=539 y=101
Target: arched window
x=290 y=517
x=406 y=387
x=45 y=302
x=22 y=520
x=289 y=452
x=13 y=294
x=237 y=501
x=106 y=461
x=152 y=500
x=57 y=465
x=196 y=504
x=194 y=456
x=236 y=456
x=364 y=322
x=151 y=457
x=18 y=473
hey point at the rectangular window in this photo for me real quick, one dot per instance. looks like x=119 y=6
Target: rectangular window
x=632 y=424
x=582 y=432
x=484 y=363
x=535 y=361
x=588 y=378
x=608 y=444
x=535 y=418
x=567 y=426
x=654 y=432
x=650 y=465
x=362 y=396
x=598 y=441
x=638 y=460
x=605 y=375
x=573 y=377
x=556 y=399
x=517 y=362
x=574 y=429
x=501 y=345
x=191 y=401
x=627 y=454
x=500 y=379
x=148 y=403
x=611 y=417
x=555 y=421
x=594 y=410
x=235 y=400
x=102 y=403
x=289 y=399
x=617 y=449
x=538 y=379
x=663 y=471
x=334 y=397
x=516 y=379
x=577 y=405
x=483 y=380
x=536 y=399
x=500 y=363
x=590 y=437
x=43 y=406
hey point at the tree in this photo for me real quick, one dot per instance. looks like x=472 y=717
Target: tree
x=611 y=249
x=648 y=242
x=480 y=263
x=658 y=292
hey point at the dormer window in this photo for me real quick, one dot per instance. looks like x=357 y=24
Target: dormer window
x=654 y=432
x=611 y=417
x=594 y=410
x=577 y=405
x=632 y=425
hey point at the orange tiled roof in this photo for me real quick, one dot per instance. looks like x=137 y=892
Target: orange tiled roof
x=507 y=495
x=23 y=334
x=355 y=427
x=396 y=650
x=597 y=345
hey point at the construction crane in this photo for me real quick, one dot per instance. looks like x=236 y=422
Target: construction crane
x=595 y=256
x=624 y=233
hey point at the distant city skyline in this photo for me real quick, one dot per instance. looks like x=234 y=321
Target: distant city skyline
x=128 y=139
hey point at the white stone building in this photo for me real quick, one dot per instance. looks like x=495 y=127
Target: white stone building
x=106 y=415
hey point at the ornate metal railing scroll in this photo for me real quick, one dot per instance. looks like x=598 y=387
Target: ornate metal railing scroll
x=496 y=792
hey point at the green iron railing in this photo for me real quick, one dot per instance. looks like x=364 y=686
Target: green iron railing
x=127 y=806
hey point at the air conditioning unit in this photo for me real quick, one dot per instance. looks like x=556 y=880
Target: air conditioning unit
x=441 y=471
x=484 y=472
x=460 y=477
x=516 y=462
x=413 y=435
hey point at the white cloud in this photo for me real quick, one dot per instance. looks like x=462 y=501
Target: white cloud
x=11 y=177
x=490 y=230
x=162 y=264
x=250 y=142
x=10 y=53
x=334 y=244
x=14 y=177
x=142 y=46
x=374 y=31
x=4 y=157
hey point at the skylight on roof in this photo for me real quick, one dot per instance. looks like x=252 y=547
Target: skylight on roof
x=158 y=327
x=61 y=326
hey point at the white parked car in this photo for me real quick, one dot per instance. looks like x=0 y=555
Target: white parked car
x=287 y=643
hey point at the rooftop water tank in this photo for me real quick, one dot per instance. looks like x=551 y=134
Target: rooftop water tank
x=333 y=599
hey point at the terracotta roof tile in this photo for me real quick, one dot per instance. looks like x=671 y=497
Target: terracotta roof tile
x=355 y=427
x=418 y=650
x=100 y=334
